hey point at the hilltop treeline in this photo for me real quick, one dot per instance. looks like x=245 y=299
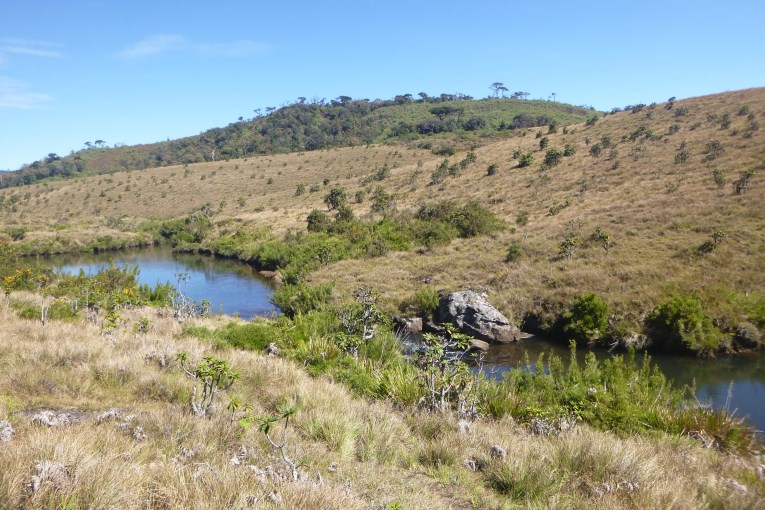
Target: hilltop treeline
x=311 y=125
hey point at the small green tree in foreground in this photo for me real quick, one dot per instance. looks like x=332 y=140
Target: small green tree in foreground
x=446 y=377
x=212 y=374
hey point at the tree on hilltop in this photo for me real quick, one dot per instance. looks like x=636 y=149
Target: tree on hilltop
x=498 y=87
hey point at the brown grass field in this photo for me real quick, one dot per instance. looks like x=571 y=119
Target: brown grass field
x=658 y=211
x=155 y=455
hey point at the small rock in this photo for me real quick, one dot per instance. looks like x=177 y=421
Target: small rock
x=275 y=497
x=737 y=486
x=272 y=349
x=202 y=470
x=761 y=472
x=111 y=414
x=252 y=501
x=497 y=452
x=138 y=434
x=463 y=427
x=333 y=467
x=52 y=472
x=51 y=419
x=239 y=456
x=408 y=324
x=6 y=431
x=474 y=464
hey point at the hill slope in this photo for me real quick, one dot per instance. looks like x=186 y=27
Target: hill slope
x=311 y=126
x=655 y=185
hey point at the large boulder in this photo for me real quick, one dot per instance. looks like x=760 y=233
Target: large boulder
x=472 y=314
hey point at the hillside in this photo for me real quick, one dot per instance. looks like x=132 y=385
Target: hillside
x=637 y=206
x=90 y=420
x=310 y=126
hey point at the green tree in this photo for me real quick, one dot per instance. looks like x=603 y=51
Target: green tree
x=336 y=198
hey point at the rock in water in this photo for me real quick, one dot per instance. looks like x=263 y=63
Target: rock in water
x=472 y=314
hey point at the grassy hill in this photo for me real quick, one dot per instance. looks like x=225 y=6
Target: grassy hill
x=128 y=439
x=637 y=206
x=311 y=126
x=655 y=211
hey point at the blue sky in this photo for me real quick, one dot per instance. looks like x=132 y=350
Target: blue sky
x=143 y=71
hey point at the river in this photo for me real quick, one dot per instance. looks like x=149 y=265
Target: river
x=735 y=383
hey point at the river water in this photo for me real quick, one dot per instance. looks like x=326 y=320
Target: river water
x=233 y=287
x=735 y=383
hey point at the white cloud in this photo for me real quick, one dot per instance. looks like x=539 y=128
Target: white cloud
x=167 y=43
x=15 y=95
x=28 y=48
x=156 y=44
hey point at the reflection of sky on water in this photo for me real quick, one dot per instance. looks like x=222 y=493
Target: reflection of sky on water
x=232 y=287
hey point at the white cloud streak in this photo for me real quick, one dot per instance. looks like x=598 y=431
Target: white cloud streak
x=15 y=95
x=169 y=43
x=9 y=46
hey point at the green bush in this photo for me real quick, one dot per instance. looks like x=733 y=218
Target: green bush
x=526 y=160
x=679 y=323
x=301 y=298
x=255 y=336
x=553 y=157
x=514 y=253
x=587 y=319
x=426 y=301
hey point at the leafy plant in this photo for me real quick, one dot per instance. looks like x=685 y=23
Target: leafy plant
x=446 y=377
x=212 y=375
x=587 y=319
x=680 y=322
x=553 y=157
x=514 y=253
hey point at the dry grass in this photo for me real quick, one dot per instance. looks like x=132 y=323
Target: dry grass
x=368 y=455
x=658 y=211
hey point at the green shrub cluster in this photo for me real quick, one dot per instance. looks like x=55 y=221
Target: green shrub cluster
x=679 y=323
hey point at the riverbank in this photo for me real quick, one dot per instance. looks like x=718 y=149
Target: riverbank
x=150 y=451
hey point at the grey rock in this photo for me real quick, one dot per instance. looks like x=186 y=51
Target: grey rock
x=52 y=419
x=52 y=472
x=472 y=314
x=409 y=324
x=497 y=452
x=6 y=431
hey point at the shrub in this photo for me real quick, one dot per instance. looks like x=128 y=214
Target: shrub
x=719 y=177
x=553 y=157
x=382 y=174
x=300 y=189
x=492 y=169
x=569 y=149
x=680 y=323
x=522 y=218
x=444 y=150
x=526 y=160
x=336 y=198
x=472 y=220
x=587 y=319
x=426 y=300
x=543 y=143
x=301 y=298
x=591 y=120
x=744 y=181
x=318 y=221
x=514 y=253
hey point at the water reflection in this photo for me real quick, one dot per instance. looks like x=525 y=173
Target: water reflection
x=233 y=287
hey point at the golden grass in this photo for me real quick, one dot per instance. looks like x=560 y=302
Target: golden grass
x=659 y=212
x=368 y=455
